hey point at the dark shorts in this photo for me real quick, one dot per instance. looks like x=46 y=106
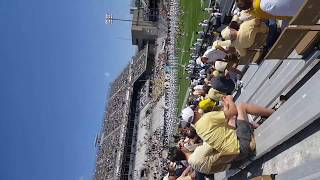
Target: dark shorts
x=244 y=133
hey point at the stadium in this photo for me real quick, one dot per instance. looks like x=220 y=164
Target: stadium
x=178 y=75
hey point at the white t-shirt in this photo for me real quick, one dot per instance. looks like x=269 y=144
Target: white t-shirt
x=214 y=54
x=198 y=87
x=281 y=7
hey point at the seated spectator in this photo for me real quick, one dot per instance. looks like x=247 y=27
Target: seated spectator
x=223 y=84
x=204 y=159
x=189 y=173
x=223 y=144
x=215 y=94
x=271 y=9
x=245 y=37
x=241 y=17
x=211 y=55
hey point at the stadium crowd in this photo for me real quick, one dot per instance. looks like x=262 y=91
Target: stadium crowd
x=214 y=132
x=159 y=70
x=121 y=81
x=155 y=148
x=106 y=157
x=171 y=82
x=139 y=64
x=144 y=95
x=115 y=118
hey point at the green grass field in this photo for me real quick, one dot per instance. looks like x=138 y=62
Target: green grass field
x=189 y=20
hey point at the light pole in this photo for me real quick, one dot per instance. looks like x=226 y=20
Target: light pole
x=110 y=19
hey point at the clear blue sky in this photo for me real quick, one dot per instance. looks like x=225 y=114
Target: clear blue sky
x=57 y=58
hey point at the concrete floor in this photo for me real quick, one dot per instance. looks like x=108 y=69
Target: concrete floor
x=298 y=150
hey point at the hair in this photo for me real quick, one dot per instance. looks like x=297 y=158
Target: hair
x=244 y=4
x=204 y=59
x=206 y=88
x=175 y=154
x=176 y=138
x=192 y=133
x=234 y=25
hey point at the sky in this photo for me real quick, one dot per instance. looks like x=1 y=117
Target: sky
x=57 y=59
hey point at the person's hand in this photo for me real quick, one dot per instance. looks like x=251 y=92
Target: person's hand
x=184 y=150
x=172 y=167
x=232 y=122
x=229 y=98
x=224 y=100
x=181 y=144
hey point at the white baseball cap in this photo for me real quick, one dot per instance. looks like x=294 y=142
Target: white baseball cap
x=220 y=65
x=187 y=116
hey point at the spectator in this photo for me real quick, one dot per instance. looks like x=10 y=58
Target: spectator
x=245 y=37
x=211 y=55
x=222 y=144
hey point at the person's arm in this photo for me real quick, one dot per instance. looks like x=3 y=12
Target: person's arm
x=186 y=171
x=229 y=107
x=185 y=151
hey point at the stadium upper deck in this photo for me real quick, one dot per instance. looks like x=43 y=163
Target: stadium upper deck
x=114 y=130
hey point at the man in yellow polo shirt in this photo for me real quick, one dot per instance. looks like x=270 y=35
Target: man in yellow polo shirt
x=222 y=143
x=245 y=37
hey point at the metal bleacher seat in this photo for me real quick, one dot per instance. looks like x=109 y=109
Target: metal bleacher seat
x=241 y=68
x=281 y=79
x=300 y=110
x=249 y=73
x=307 y=171
x=256 y=79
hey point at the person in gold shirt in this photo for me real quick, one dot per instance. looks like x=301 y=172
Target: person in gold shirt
x=245 y=37
x=226 y=134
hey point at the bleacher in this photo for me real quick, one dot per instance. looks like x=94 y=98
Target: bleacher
x=113 y=161
x=139 y=63
x=290 y=69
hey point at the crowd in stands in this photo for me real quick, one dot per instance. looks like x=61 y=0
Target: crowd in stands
x=214 y=132
x=139 y=64
x=159 y=70
x=170 y=116
x=106 y=157
x=121 y=81
x=114 y=121
x=115 y=118
x=155 y=148
x=144 y=95
x=117 y=101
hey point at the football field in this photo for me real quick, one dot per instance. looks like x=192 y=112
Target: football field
x=192 y=14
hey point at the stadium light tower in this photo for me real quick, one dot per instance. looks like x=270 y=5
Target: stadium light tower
x=110 y=19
